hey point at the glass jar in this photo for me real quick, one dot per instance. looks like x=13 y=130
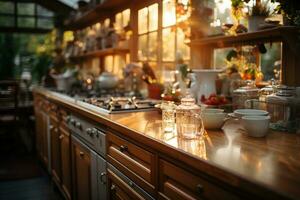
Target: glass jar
x=168 y=116
x=188 y=119
x=242 y=94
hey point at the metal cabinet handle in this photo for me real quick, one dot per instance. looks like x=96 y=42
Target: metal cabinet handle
x=51 y=127
x=199 y=189
x=123 y=148
x=102 y=178
x=61 y=137
x=81 y=154
x=131 y=184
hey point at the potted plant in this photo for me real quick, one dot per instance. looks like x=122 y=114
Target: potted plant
x=257 y=15
x=290 y=9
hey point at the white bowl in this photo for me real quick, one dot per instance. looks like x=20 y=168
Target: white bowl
x=250 y=112
x=213 y=110
x=256 y=126
x=213 y=119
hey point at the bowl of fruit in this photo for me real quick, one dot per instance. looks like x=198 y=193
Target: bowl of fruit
x=215 y=101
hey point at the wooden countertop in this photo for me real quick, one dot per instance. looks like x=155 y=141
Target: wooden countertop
x=265 y=165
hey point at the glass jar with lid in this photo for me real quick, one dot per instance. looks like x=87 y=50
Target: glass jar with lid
x=188 y=119
x=242 y=94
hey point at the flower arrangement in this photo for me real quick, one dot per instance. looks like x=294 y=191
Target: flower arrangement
x=247 y=69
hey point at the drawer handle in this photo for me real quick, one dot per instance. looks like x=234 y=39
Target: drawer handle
x=199 y=189
x=61 y=137
x=113 y=188
x=123 y=148
x=131 y=184
x=102 y=180
x=81 y=154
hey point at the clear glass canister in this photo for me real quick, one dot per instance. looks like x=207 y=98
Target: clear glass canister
x=242 y=94
x=168 y=116
x=188 y=119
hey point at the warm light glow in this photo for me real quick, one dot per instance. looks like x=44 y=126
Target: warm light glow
x=88 y=81
x=118 y=23
x=126 y=17
x=106 y=22
x=97 y=26
x=153 y=17
x=143 y=20
x=169 y=13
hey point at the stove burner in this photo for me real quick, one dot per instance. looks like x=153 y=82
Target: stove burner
x=116 y=104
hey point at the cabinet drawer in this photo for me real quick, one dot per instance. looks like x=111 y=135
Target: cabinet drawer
x=119 y=189
x=176 y=183
x=137 y=163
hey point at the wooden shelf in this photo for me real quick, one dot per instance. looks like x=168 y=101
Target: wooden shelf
x=95 y=14
x=268 y=35
x=100 y=53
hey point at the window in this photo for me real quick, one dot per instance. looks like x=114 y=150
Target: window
x=25 y=15
x=122 y=20
x=147 y=33
x=173 y=35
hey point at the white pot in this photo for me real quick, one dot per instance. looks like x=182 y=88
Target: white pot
x=254 y=22
x=204 y=82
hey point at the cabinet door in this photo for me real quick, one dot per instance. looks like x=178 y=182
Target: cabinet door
x=44 y=137
x=65 y=161
x=38 y=131
x=55 y=151
x=81 y=170
x=119 y=189
x=41 y=132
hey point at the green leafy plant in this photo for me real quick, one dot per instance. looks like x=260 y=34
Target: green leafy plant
x=290 y=9
x=260 y=9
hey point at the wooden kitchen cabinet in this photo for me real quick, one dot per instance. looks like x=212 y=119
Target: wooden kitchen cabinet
x=137 y=163
x=81 y=171
x=55 y=151
x=65 y=162
x=120 y=190
x=179 y=184
x=40 y=108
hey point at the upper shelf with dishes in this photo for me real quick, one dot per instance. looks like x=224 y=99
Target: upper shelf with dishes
x=275 y=34
x=91 y=13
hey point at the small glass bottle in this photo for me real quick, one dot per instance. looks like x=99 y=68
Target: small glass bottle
x=168 y=116
x=188 y=119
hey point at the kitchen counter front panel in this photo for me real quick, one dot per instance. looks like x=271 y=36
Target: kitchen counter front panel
x=268 y=167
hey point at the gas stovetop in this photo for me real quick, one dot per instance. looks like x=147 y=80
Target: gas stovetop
x=109 y=101
x=120 y=104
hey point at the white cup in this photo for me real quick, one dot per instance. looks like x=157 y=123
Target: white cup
x=213 y=118
x=256 y=126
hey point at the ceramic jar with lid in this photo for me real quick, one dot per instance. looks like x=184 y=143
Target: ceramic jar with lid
x=188 y=119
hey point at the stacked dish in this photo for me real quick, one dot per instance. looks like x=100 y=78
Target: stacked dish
x=255 y=122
